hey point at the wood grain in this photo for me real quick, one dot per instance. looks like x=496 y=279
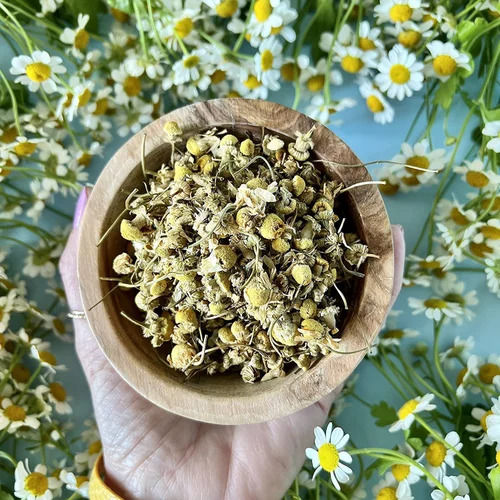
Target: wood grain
x=225 y=399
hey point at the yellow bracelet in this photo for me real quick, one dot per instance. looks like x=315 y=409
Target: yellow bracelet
x=98 y=490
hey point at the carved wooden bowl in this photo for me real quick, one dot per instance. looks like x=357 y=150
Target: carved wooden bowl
x=226 y=399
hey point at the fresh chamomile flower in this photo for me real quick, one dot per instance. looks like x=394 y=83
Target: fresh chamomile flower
x=268 y=62
x=389 y=489
x=434 y=308
x=355 y=60
x=475 y=174
x=489 y=369
x=455 y=213
x=404 y=472
x=38 y=70
x=13 y=416
x=79 y=484
x=133 y=117
x=313 y=77
x=189 y=68
x=36 y=485
x=127 y=84
x=492 y=271
x=224 y=8
x=391 y=334
x=179 y=29
x=482 y=427
x=382 y=111
x=460 y=348
x=150 y=65
x=345 y=37
x=398 y=11
x=292 y=68
x=369 y=37
x=56 y=394
x=49 y=6
x=249 y=86
x=493 y=422
x=48 y=360
x=406 y=414
x=322 y=111
x=329 y=455
x=400 y=73
x=77 y=38
x=487 y=239
x=444 y=60
x=411 y=34
x=86 y=459
x=271 y=18
x=438 y=455
x=456 y=485
x=99 y=106
x=492 y=129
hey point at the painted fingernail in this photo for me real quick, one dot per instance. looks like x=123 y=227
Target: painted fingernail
x=80 y=207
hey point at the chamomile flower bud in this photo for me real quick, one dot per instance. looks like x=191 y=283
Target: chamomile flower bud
x=216 y=308
x=280 y=245
x=298 y=185
x=181 y=171
x=225 y=256
x=322 y=209
x=302 y=274
x=225 y=335
x=308 y=309
x=122 y=264
x=244 y=218
x=229 y=140
x=247 y=147
x=129 y=231
x=158 y=287
x=206 y=164
x=181 y=356
x=257 y=182
x=197 y=147
x=257 y=293
x=239 y=330
x=187 y=318
x=311 y=329
x=172 y=130
x=272 y=227
x=285 y=332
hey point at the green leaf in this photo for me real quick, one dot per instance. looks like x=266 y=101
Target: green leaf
x=494 y=476
x=415 y=442
x=90 y=7
x=492 y=115
x=7 y=496
x=7 y=457
x=446 y=91
x=466 y=30
x=123 y=5
x=384 y=414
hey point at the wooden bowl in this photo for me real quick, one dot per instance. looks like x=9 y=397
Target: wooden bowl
x=226 y=399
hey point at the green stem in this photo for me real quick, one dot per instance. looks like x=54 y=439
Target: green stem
x=240 y=39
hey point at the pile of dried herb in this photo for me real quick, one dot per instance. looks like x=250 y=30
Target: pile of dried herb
x=240 y=259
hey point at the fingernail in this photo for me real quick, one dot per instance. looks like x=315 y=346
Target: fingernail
x=80 y=207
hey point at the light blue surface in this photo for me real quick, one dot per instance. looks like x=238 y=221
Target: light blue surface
x=370 y=141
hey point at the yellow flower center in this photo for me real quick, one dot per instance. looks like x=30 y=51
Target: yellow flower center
x=276 y=30
x=488 y=372
x=444 y=65
x=496 y=203
x=183 y=27
x=366 y=44
x=351 y=64
x=266 y=60
x=429 y=17
x=25 y=148
x=252 y=82
x=374 y=104
x=9 y=135
x=15 y=413
x=433 y=264
x=101 y=106
x=482 y=422
x=491 y=232
x=477 y=179
x=435 y=303
x=38 y=71
x=410 y=180
x=233 y=94
x=328 y=457
x=289 y=71
x=132 y=86
x=460 y=376
x=2 y=336
x=394 y=334
x=387 y=493
x=409 y=38
x=480 y=249
x=316 y=83
x=399 y=74
x=81 y=39
x=435 y=453
x=58 y=391
x=80 y=480
x=407 y=409
x=95 y=447
x=400 y=471
x=227 y=8
x=262 y=10
x=388 y=188
x=218 y=76
x=47 y=357
x=120 y=16
x=84 y=98
x=85 y=159
x=400 y=13
x=458 y=217
x=497 y=457
x=36 y=484
x=20 y=373
x=191 y=61
x=417 y=161
x=58 y=324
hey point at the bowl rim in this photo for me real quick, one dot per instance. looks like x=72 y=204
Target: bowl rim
x=284 y=398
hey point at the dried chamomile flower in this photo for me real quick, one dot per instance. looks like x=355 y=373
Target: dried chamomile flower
x=236 y=255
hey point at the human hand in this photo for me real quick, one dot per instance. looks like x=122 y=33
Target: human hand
x=150 y=453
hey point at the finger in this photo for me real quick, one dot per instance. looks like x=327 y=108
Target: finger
x=399 y=260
